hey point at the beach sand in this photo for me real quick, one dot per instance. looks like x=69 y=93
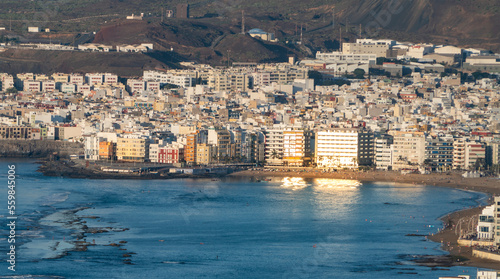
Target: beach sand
x=447 y=236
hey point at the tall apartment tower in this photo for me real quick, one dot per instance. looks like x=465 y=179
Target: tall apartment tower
x=496 y=217
x=190 y=149
x=183 y=11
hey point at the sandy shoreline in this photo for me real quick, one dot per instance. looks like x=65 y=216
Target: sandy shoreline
x=447 y=237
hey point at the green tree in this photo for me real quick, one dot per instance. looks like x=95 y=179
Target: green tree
x=317 y=76
x=359 y=73
x=11 y=90
x=169 y=86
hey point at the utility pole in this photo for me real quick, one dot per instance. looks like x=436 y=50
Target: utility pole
x=228 y=52
x=243 y=22
x=360 y=30
x=301 y=33
x=333 y=18
x=340 y=41
x=161 y=14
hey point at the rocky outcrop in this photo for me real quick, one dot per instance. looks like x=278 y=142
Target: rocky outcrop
x=38 y=148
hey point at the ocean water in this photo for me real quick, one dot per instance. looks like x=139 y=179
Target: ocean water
x=229 y=228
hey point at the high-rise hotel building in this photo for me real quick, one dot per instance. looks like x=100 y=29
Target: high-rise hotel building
x=344 y=148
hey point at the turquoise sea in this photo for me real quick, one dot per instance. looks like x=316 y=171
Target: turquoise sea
x=229 y=228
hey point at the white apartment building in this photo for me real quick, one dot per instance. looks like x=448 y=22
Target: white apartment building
x=339 y=57
x=110 y=78
x=459 y=153
x=168 y=78
x=135 y=85
x=76 y=79
x=467 y=153
x=68 y=88
x=91 y=148
x=153 y=85
x=60 y=78
x=482 y=274
x=493 y=153
x=343 y=148
x=220 y=82
x=474 y=151
x=32 y=86
x=261 y=78
x=7 y=81
x=240 y=81
x=486 y=225
x=496 y=216
x=93 y=79
x=48 y=86
x=83 y=88
x=154 y=151
x=273 y=146
x=383 y=153
x=408 y=150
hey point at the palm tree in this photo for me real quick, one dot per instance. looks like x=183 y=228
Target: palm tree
x=274 y=154
x=354 y=161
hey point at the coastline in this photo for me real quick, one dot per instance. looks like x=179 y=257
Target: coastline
x=72 y=169
x=458 y=255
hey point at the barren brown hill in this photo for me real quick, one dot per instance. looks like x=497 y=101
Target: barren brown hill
x=41 y=61
x=196 y=40
x=212 y=27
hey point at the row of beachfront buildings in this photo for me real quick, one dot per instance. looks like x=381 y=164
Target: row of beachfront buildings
x=334 y=148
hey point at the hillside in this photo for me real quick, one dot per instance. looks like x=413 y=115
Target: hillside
x=41 y=61
x=207 y=41
x=210 y=34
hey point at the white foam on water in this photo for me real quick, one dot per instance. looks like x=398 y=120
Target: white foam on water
x=47 y=249
x=54 y=198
